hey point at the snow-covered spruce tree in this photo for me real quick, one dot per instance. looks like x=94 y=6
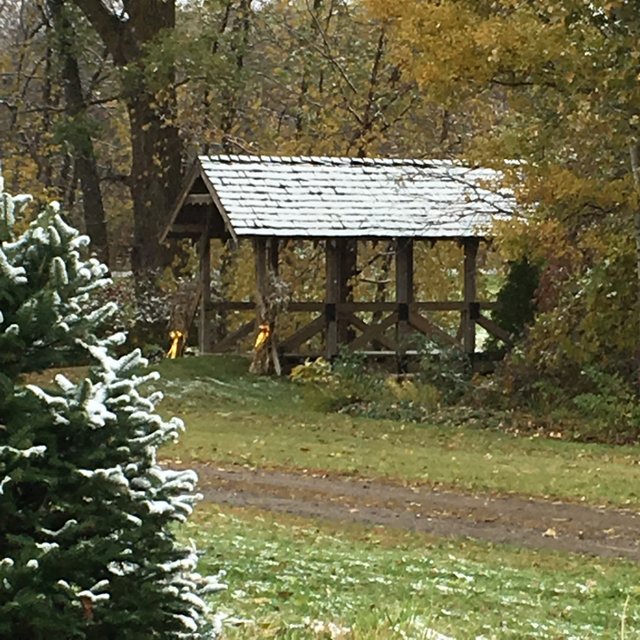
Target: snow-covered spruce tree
x=87 y=535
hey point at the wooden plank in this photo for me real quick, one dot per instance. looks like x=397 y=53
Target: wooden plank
x=373 y=332
x=428 y=328
x=303 y=334
x=235 y=336
x=429 y=305
x=469 y=295
x=495 y=329
x=204 y=252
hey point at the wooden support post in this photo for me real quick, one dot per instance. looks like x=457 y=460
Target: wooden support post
x=348 y=256
x=260 y=362
x=267 y=354
x=404 y=293
x=262 y=277
x=332 y=297
x=273 y=256
x=204 y=252
x=341 y=263
x=273 y=270
x=470 y=313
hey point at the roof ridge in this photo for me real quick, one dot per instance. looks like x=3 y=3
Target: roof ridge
x=333 y=160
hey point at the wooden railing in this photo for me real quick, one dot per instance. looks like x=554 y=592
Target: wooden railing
x=363 y=333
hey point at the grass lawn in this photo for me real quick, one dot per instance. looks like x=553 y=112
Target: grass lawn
x=235 y=418
x=295 y=578
x=292 y=578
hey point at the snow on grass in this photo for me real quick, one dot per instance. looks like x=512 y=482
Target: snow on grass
x=298 y=579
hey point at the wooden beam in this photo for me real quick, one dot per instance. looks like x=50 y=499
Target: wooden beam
x=273 y=269
x=186 y=188
x=348 y=255
x=428 y=328
x=495 y=329
x=371 y=332
x=194 y=230
x=262 y=281
x=469 y=291
x=448 y=305
x=350 y=307
x=404 y=270
x=332 y=296
x=303 y=334
x=218 y=206
x=273 y=256
x=404 y=291
x=198 y=198
x=267 y=355
x=204 y=252
x=230 y=339
x=229 y=305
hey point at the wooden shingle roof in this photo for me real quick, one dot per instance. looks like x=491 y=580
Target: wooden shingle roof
x=319 y=197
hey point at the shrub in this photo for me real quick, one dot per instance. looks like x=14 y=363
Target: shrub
x=611 y=410
x=447 y=368
x=515 y=303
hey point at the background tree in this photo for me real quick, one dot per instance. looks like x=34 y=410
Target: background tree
x=78 y=129
x=555 y=86
x=61 y=126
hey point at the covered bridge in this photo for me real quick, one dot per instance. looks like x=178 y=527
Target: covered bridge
x=341 y=202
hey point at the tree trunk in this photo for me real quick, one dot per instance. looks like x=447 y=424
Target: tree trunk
x=634 y=153
x=155 y=181
x=155 y=143
x=86 y=166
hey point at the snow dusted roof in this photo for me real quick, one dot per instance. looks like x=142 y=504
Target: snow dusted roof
x=319 y=197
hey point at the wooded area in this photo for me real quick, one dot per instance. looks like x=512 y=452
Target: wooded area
x=103 y=104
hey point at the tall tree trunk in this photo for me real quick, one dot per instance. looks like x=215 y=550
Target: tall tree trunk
x=155 y=181
x=155 y=144
x=86 y=166
x=231 y=94
x=634 y=154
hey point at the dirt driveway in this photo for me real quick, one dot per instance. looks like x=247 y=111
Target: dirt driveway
x=514 y=520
